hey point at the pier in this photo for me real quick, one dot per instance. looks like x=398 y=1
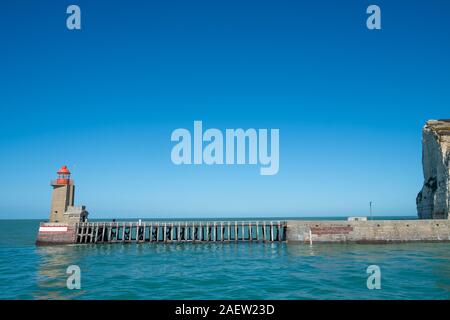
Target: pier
x=180 y=231
x=68 y=224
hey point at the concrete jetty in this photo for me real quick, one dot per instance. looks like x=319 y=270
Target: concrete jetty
x=293 y=231
x=372 y=231
x=68 y=224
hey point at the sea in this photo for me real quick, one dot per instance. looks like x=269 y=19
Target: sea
x=219 y=270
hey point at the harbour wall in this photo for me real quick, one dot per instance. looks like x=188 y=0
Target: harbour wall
x=373 y=231
x=56 y=233
x=161 y=231
x=294 y=231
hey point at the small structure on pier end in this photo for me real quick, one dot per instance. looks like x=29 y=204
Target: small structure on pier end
x=64 y=216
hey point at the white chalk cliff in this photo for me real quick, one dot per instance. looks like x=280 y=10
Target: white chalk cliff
x=434 y=198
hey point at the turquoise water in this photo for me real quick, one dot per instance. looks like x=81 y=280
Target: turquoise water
x=218 y=271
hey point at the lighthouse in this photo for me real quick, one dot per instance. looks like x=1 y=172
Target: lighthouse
x=64 y=215
x=63 y=195
x=62 y=207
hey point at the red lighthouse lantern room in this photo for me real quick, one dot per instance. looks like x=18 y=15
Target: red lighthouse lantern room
x=63 y=176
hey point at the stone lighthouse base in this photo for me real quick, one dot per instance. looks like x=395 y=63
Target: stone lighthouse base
x=62 y=233
x=56 y=233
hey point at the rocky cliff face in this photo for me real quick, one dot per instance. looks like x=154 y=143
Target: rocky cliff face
x=434 y=198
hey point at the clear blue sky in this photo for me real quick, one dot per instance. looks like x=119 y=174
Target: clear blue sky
x=350 y=103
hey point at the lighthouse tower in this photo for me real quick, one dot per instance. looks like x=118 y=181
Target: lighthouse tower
x=63 y=195
x=62 y=208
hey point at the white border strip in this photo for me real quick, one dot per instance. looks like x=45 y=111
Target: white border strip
x=52 y=229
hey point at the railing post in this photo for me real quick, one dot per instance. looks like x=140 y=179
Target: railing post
x=150 y=232
x=76 y=232
x=165 y=232
x=202 y=235
x=86 y=232
x=279 y=231
x=271 y=231
x=257 y=231
x=130 y=230
x=264 y=231
x=143 y=233
x=103 y=232
x=136 y=226
x=81 y=232
x=96 y=232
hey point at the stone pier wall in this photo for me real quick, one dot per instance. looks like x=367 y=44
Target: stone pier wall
x=56 y=237
x=374 y=231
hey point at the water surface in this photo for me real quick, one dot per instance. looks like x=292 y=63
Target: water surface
x=218 y=271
